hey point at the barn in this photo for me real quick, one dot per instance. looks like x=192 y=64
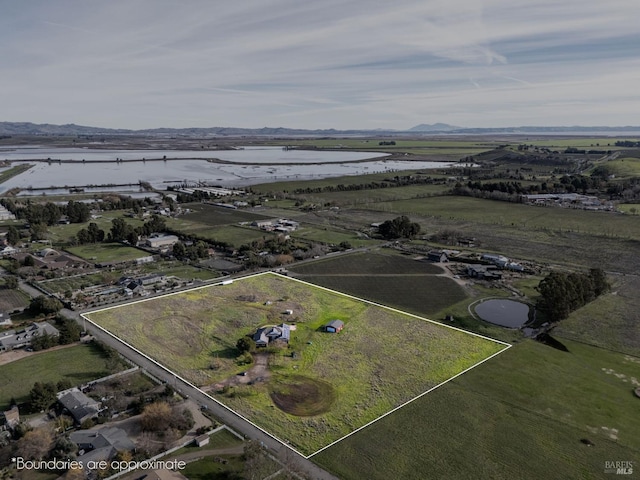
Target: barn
x=334 y=326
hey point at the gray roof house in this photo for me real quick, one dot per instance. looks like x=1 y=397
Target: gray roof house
x=12 y=339
x=79 y=406
x=102 y=444
x=265 y=335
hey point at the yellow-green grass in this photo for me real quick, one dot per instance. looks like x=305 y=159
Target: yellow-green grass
x=381 y=359
x=232 y=234
x=624 y=167
x=520 y=416
x=107 y=252
x=362 y=197
x=331 y=235
x=522 y=217
x=631 y=208
x=79 y=364
x=60 y=234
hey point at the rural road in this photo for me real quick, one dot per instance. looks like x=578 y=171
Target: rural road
x=222 y=413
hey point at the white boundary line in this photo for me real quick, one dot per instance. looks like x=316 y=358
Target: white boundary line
x=507 y=346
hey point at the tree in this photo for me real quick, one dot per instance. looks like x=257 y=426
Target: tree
x=245 y=344
x=13 y=236
x=256 y=464
x=179 y=250
x=11 y=282
x=156 y=417
x=46 y=305
x=42 y=395
x=28 y=261
x=35 y=444
x=399 y=227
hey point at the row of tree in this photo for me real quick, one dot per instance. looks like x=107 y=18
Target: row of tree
x=562 y=293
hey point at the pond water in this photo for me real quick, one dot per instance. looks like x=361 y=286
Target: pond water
x=502 y=312
x=250 y=169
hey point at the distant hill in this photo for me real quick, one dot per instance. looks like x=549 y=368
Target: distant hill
x=435 y=127
x=27 y=128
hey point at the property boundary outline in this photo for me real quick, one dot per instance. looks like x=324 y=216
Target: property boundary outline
x=239 y=415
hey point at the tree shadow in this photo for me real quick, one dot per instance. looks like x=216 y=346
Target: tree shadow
x=547 y=339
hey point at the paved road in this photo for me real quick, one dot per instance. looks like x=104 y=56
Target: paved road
x=225 y=415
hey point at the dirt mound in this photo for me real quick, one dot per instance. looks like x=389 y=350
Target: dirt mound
x=302 y=396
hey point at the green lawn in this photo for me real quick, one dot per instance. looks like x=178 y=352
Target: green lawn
x=107 y=252
x=382 y=359
x=520 y=416
x=80 y=364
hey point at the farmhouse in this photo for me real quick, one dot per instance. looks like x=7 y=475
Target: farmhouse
x=334 y=326
x=483 y=272
x=12 y=339
x=10 y=418
x=79 y=406
x=274 y=333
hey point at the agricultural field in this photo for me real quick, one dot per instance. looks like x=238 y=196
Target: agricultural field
x=524 y=217
x=332 y=236
x=216 y=216
x=79 y=364
x=528 y=414
x=107 y=252
x=324 y=386
x=232 y=234
x=415 y=286
x=12 y=299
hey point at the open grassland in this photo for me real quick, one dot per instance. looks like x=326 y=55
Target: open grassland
x=382 y=358
x=79 y=364
x=415 y=286
x=520 y=416
x=332 y=235
x=630 y=208
x=60 y=234
x=232 y=234
x=611 y=321
x=523 y=217
x=107 y=252
x=624 y=167
x=215 y=216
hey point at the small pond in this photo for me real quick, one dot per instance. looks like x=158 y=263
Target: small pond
x=506 y=313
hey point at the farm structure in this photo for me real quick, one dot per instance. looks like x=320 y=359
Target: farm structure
x=271 y=334
x=160 y=240
x=334 y=326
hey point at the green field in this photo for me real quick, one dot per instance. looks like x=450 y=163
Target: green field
x=394 y=280
x=523 y=217
x=215 y=216
x=107 y=252
x=624 y=167
x=382 y=358
x=79 y=364
x=332 y=236
x=520 y=416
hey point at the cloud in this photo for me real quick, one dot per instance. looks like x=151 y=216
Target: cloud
x=343 y=64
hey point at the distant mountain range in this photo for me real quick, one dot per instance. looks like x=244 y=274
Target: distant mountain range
x=26 y=128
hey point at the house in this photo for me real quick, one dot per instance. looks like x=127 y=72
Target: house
x=437 y=256
x=334 y=326
x=274 y=333
x=102 y=444
x=12 y=339
x=483 y=272
x=79 y=406
x=10 y=418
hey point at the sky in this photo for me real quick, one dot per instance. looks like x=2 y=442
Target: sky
x=347 y=64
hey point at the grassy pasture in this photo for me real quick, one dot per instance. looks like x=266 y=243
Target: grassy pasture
x=523 y=217
x=215 y=216
x=363 y=197
x=107 y=252
x=60 y=234
x=80 y=364
x=624 y=167
x=520 y=416
x=331 y=235
x=382 y=359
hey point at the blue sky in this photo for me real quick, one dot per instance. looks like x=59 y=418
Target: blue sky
x=326 y=64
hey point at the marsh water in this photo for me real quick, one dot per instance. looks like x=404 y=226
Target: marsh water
x=248 y=166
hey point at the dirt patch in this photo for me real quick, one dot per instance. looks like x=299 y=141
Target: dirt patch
x=302 y=396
